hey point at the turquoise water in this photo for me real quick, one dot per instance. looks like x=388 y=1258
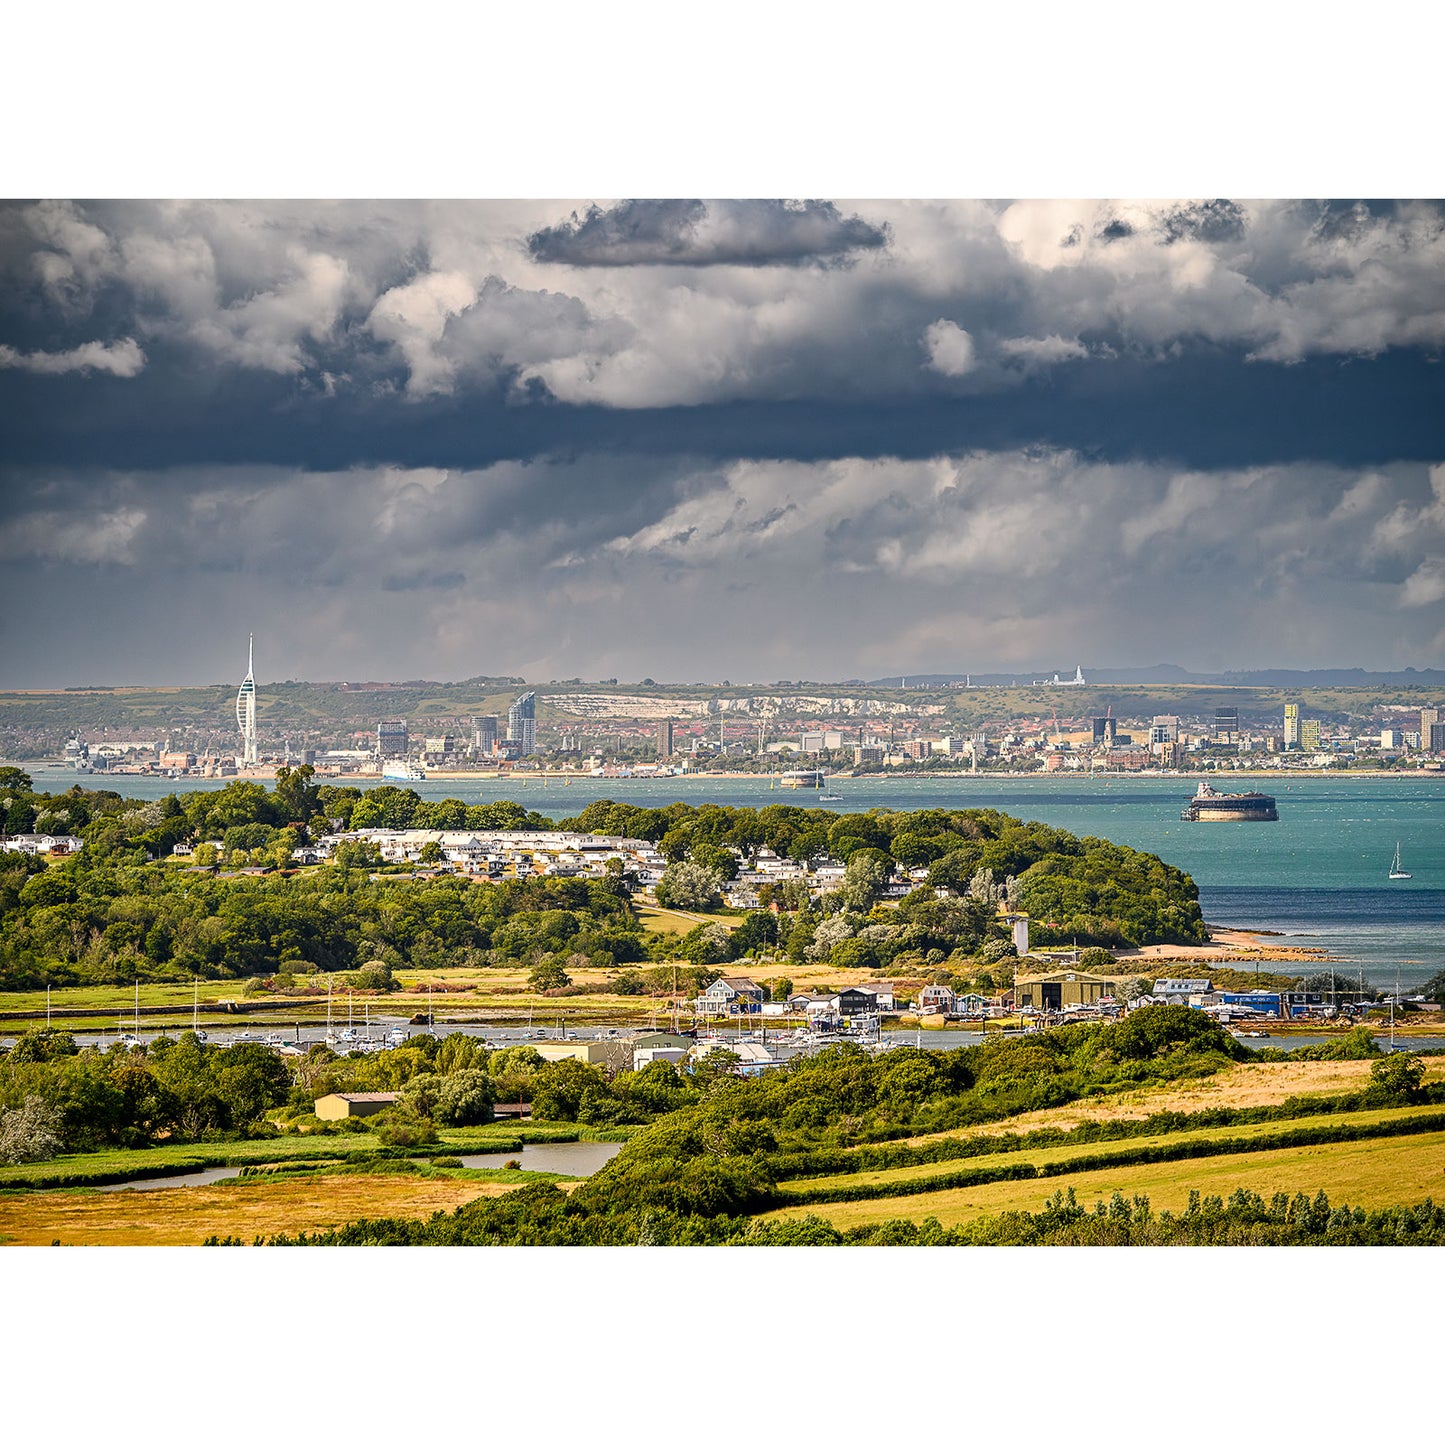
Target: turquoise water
x=1316 y=876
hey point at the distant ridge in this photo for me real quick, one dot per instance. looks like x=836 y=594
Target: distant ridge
x=1166 y=672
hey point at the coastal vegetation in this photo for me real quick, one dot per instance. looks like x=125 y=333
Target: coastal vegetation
x=836 y=1148
x=122 y=910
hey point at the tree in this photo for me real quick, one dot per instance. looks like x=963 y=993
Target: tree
x=719 y=860
x=995 y=950
x=31 y=1132
x=708 y=944
x=357 y=855
x=431 y=854
x=1132 y=988
x=689 y=886
x=826 y=937
x=867 y=873
x=782 y=989
x=376 y=975
x=41 y=1045
x=1396 y=1079
x=466 y=1097
x=297 y=799
x=549 y=974
x=1434 y=988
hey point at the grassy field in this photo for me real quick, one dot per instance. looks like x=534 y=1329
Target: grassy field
x=190 y=1216
x=494 y=992
x=1371 y=1173
x=1104 y=1149
x=1243 y=1086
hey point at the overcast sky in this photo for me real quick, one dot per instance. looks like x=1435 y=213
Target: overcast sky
x=697 y=439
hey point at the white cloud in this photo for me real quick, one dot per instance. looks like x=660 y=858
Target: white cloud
x=1041 y=351
x=118 y=358
x=950 y=348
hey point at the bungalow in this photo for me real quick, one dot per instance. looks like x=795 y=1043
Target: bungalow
x=36 y=844
x=728 y=997
x=814 y=1005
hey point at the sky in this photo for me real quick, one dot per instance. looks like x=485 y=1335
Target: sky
x=699 y=439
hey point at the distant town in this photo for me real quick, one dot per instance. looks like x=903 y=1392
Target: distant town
x=804 y=733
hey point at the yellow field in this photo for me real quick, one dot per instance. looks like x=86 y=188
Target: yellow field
x=1243 y=1086
x=191 y=1215
x=1372 y=1173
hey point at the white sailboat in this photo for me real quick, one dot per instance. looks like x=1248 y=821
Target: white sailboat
x=1395 y=870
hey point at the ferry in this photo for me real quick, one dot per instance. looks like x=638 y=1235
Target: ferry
x=401 y=771
x=1211 y=806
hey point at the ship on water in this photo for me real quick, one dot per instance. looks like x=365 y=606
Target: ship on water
x=1210 y=806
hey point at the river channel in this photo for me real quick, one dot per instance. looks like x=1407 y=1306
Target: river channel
x=578 y=1158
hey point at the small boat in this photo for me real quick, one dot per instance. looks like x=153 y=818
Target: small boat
x=129 y=1041
x=1395 y=870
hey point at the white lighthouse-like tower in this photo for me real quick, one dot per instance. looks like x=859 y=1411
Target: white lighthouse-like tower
x=246 y=707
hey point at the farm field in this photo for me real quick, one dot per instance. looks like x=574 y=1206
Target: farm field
x=1053 y=1154
x=1371 y=1173
x=1242 y=1086
x=191 y=1215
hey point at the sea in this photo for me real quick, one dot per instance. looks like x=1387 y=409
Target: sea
x=1317 y=877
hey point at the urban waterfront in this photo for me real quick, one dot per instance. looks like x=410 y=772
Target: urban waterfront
x=1317 y=876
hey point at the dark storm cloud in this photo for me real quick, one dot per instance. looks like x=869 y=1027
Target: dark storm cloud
x=398 y=440
x=699 y=233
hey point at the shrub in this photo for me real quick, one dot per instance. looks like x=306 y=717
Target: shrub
x=404 y=1133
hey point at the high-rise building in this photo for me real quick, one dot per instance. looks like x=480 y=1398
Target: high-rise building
x=246 y=706
x=391 y=740
x=522 y=724
x=1226 y=724
x=1164 y=729
x=1309 y=735
x=1291 y=725
x=484 y=735
x=1429 y=718
x=1104 y=730
x=664 y=738
x=1436 y=740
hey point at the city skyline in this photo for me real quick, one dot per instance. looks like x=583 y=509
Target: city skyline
x=741 y=439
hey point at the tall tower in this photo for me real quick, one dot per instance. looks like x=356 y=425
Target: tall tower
x=1291 y=725
x=522 y=723
x=246 y=707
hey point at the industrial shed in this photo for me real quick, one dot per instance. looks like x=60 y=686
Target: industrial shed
x=352 y=1106
x=1054 y=991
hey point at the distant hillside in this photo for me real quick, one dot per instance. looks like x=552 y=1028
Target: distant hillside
x=1167 y=672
